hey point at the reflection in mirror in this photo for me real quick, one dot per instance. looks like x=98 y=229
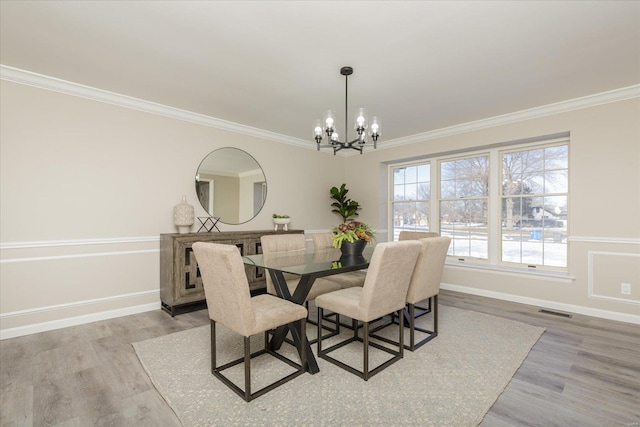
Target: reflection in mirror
x=231 y=185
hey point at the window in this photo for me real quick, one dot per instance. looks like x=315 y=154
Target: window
x=534 y=206
x=464 y=191
x=506 y=205
x=411 y=198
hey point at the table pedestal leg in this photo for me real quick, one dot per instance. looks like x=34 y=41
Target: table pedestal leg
x=299 y=296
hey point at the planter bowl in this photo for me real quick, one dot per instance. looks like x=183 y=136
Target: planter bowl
x=281 y=221
x=353 y=249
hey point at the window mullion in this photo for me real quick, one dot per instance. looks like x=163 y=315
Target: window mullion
x=434 y=207
x=495 y=207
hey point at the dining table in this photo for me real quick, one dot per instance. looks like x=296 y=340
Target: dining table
x=308 y=265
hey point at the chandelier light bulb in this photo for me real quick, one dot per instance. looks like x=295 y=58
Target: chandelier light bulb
x=329 y=120
x=375 y=126
x=361 y=119
x=317 y=129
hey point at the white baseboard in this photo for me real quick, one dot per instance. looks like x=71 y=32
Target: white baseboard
x=577 y=309
x=77 y=320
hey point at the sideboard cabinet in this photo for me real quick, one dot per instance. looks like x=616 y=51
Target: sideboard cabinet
x=181 y=287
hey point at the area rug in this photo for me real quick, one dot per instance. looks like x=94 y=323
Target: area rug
x=451 y=381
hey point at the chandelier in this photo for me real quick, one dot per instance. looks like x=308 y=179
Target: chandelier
x=361 y=125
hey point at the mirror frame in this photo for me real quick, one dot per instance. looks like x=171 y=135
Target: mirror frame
x=264 y=191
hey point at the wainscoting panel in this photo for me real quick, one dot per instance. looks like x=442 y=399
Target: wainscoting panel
x=49 y=285
x=609 y=270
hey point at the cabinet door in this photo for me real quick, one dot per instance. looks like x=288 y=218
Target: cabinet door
x=190 y=281
x=258 y=272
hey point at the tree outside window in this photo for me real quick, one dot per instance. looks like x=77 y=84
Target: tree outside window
x=534 y=206
x=411 y=198
x=464 y=191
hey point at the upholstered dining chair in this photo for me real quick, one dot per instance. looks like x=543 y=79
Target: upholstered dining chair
x=425 y=284
x=229 y=302
x=415 y=235
x=384 y=292
x=292 y=244
x=324 y=241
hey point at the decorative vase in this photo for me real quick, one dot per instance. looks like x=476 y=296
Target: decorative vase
x=353 y=249
x=183 y=216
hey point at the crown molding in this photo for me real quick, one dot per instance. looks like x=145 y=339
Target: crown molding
x=518 y=116
x=29 y=78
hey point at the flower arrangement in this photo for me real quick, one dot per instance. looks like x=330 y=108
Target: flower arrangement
x=351 y=231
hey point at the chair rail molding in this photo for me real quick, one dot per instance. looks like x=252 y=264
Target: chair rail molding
x=614 y=240
x=76 y=242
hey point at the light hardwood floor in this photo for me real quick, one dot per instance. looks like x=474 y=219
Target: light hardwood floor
x=584 y=371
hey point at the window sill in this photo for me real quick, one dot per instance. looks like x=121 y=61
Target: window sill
x=555 y=276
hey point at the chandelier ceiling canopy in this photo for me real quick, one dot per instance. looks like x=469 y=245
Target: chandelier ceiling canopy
x=362 y=125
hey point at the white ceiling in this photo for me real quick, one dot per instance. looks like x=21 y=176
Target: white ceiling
x=274 y=65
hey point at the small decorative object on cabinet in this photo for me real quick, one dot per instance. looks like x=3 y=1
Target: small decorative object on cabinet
x=283 y=220
x=180 y=282
x=183 y=216
x=208 y=223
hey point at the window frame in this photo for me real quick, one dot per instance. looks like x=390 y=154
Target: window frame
x=486 y=198
x=392 y=201
x=534 y=266
x=494 y=200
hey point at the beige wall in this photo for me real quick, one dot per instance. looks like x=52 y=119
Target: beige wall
x=604 y=208
x=87 y=187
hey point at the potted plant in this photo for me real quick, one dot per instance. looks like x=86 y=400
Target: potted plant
x=350 y=236
x=343 y=206
x=283 y=220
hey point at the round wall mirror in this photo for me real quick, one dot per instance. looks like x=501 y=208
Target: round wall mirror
x=231 y=185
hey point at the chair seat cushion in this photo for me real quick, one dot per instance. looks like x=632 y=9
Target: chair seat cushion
x=345 y=301
x=271 y=312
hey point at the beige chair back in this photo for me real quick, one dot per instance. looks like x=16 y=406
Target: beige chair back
x=427 y=275
x=293 y=244
x=226 y=287
x=387 y=281
x=322 y=241
x=415 y=235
